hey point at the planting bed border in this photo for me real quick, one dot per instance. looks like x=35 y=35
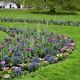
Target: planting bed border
x=50 y=22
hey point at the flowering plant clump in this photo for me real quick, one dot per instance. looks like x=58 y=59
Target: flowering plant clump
x=31 y=49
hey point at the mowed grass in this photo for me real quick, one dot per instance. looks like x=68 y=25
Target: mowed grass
x=69 y=69
x=27 y=14
x=3 y=35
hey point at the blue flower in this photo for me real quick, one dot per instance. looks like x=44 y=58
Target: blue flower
x=68 y=42
x=13 y=50
x=17 y=53
x=46 y=50
x=50 y=60
x=47 y=56
x=35 y=59
x=32 y=67
x=6 y=59
x=17 y=71
x=19 y=31
x=16 y=60
x=55 y=52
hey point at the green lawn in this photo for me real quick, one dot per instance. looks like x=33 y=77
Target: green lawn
x=27 y=14
x=69 y=69
x=3 y=35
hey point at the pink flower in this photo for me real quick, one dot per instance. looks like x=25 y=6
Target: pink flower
x=72 y=44
x=6 y=68
x=60 y=37
x=30 y=49
x=3 y=62
x=1 y=47
x=51 y=40
x=64 y=48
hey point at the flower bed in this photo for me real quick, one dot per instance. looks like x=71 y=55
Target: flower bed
x=50 y=22
x=30 y=49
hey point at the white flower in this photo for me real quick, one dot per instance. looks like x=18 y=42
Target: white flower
x=40 y=59
x=45 y=61
x=7 y=76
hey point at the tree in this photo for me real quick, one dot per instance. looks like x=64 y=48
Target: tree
x=69 y=5
x=18 y=2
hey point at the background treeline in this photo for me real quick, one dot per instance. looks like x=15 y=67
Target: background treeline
x=51 y=5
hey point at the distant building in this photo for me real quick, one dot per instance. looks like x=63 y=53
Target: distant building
x=8 y=5
x=2 y=3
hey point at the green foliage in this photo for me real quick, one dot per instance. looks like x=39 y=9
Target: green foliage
x=53 y=5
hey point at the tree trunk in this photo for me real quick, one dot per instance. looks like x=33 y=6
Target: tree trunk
x=18 y=5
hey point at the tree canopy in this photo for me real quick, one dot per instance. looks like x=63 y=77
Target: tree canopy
x=53 y=5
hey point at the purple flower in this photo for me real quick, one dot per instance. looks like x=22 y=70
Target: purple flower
x=63 y=48
x=1 y=65
x=29 y=49
x=49 y=40
x=67 y=42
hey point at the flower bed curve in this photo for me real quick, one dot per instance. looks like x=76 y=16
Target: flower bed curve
x=31 y=49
